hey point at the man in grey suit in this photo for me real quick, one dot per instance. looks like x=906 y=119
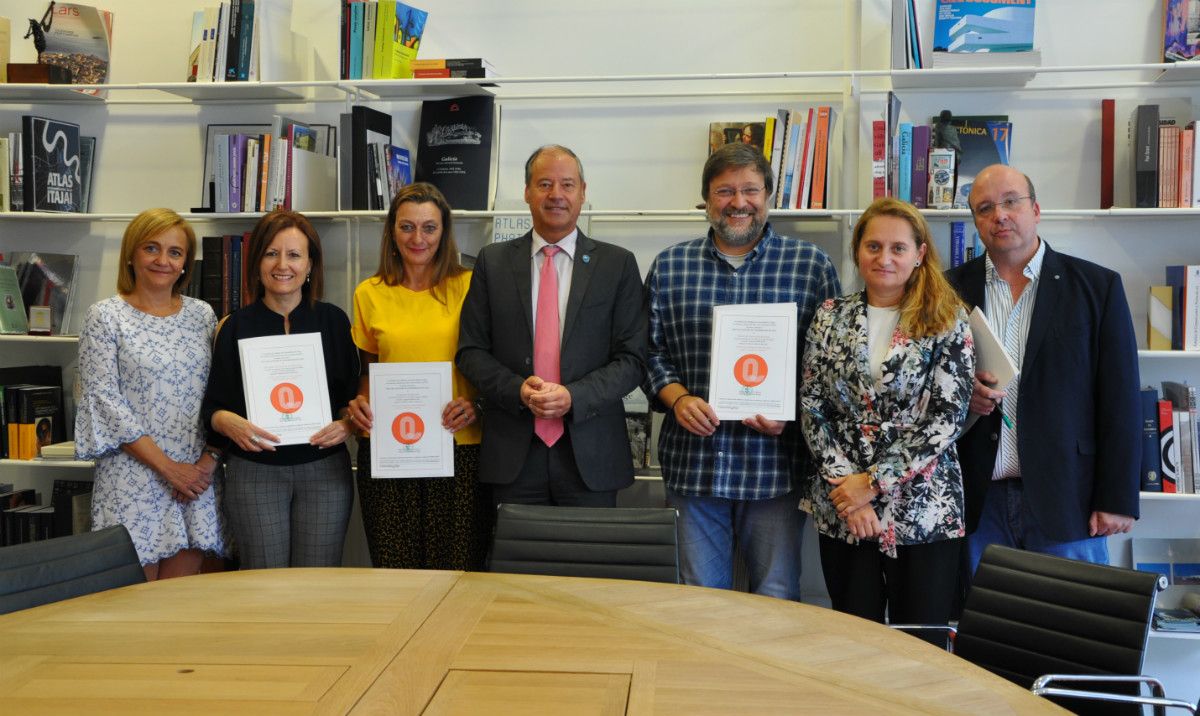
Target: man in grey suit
x=553 y=422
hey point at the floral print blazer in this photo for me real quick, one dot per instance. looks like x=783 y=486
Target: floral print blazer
x=904 y=423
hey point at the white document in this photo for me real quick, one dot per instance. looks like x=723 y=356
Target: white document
x=407 y=437
x=753 y=370
x=284 y=381
x=989 y=356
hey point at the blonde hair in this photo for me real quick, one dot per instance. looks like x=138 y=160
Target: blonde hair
x=145 y=226
x=930 y=304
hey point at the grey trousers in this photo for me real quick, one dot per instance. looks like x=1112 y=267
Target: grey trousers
x=288 y=516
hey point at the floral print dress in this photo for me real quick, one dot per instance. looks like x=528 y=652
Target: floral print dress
x=145 y=375
x=904 y=423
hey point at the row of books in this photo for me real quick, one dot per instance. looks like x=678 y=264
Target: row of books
x=1173 y=311
x=53 y=174
x=966 y=33
x=224 y=43
x=1170 y=439
x=38 y=412
x=379 y=40
x=964 y=244
x=24 y=519
x=37 y=291
x=933 y=166
x=255 y=168
x=222 y=273
x=1159 y=149
x=796 y=143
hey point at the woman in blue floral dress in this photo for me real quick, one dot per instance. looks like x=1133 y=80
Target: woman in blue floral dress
x=143 y=360
x=887 y=378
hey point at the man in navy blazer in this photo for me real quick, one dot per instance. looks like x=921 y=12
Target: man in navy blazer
x=1052 y=465
x=601 y=350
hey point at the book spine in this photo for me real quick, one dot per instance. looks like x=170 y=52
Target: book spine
x=820 y=156
x=245 y=36
x=1107 y=141
x=356 y=33
x=1168 y=451
x=1186 y=159
x=235 y=273
x=806 y=171
x=878 y=158
x=1195 y=196
x=233 y=40
x=906 y=158
x=1175 y=278
x=1184 y=437
x=958 y=243
x=1145 y=163
x=920 y=166
x=1191 y=309
x=264 y=173
x=1158 y=318
x=1151 y=458
x=237 y=170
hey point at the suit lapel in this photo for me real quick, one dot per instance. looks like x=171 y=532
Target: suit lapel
x=519 y=261
x=581 y=274
x=1045 y=307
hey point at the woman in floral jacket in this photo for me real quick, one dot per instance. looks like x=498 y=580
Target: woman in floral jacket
x=888 y=373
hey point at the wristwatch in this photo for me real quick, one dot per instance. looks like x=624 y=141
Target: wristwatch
x=215 y=455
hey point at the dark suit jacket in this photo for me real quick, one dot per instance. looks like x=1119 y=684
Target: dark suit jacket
x=603 y=357
x=1078 y=419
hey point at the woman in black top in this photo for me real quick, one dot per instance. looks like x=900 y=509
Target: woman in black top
x=286 y=505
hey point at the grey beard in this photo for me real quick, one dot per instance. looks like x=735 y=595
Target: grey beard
x=737 y=239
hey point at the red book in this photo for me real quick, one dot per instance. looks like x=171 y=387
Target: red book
x=435 y=73
x=1170 y=451
x=1107 y=137
x=878 y=158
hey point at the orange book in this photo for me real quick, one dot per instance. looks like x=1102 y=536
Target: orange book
x=821 y=157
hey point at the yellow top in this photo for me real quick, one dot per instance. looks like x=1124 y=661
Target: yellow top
x=404 y=326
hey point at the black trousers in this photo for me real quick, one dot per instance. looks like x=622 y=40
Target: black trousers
x=551 y=477
x=917 y=587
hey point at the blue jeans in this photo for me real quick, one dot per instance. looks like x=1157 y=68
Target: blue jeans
x=1005 y=520
x=768 y=535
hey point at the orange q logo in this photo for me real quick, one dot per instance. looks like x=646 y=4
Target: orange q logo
x=750 y=370
x=286 y=398
x=408 y=428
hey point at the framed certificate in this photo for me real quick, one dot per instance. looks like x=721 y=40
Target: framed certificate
x=407 y=437
x=753 y=370
x=283 y=378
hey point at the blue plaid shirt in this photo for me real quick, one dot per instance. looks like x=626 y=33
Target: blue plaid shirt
x=683 y=285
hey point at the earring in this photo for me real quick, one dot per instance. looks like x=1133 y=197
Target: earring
x=918 y=263
x=182 y=271
x=307 y=277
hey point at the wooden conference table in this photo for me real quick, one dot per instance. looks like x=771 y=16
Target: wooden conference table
x=403 y=642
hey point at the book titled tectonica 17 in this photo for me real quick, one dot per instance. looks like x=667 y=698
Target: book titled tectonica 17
x=50 y=150
x=984 y=26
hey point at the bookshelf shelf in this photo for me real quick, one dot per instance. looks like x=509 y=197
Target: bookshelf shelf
x=40 y=340
x=1168 y=355
x=39 y=463
x=1170 y=497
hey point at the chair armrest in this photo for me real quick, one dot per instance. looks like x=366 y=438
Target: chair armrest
x=950 y=630
x=1042 y=687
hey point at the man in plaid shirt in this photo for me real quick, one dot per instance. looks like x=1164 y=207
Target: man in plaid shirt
x=732 y=482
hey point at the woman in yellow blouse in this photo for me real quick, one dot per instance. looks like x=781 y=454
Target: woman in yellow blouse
x=409 y=312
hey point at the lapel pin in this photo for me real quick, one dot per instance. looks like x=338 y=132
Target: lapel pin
x=587 y=258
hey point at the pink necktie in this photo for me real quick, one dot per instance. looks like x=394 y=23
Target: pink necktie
x=545 y=342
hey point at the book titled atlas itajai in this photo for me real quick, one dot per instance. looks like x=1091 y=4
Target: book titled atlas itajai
x=50 y=153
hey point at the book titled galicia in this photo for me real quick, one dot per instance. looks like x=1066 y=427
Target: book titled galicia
x=455 y=151
x=51 y=158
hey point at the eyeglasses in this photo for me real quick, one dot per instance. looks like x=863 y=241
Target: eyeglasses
x=987 y=209
x=726 y=193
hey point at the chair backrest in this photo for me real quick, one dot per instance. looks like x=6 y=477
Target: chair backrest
x=1029 y=614
x=615 y=542
x=42 y=572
